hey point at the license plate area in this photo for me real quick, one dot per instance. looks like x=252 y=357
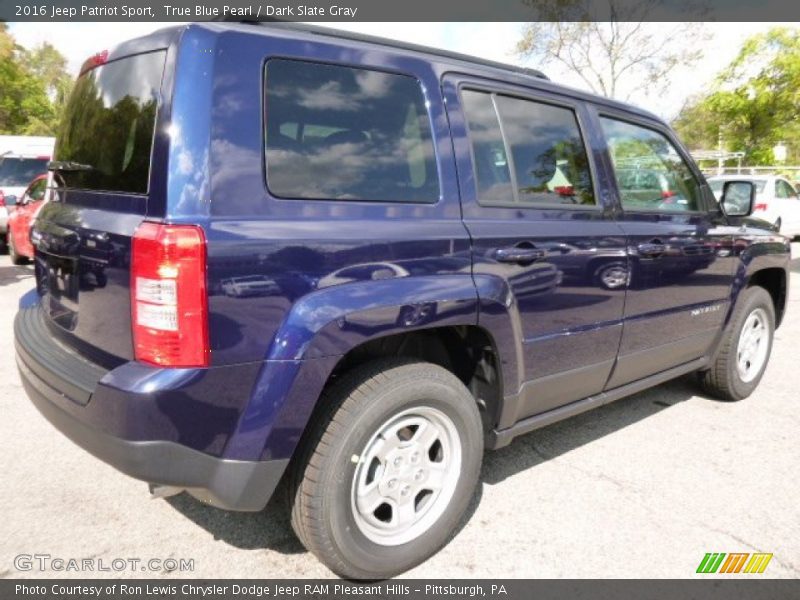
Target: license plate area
x=62 y=290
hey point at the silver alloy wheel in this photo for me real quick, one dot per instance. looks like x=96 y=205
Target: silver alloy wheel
x=751 y=351
x=406 y=476
x=614 y=277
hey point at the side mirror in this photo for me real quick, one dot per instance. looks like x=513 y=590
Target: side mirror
x=11 y=200
x=738 y=198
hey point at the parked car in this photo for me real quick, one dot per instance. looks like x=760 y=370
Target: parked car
x=419 y=209
x=20 y=221
x=21 y=159
x=249 y=285
x=777 y=201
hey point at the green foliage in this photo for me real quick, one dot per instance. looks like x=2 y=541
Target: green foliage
x=755 y=101
x=34 y=86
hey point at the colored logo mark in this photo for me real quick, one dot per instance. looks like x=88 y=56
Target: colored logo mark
x=734 y=562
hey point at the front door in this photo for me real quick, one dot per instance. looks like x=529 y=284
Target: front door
x=546 y=249
x=679 y=247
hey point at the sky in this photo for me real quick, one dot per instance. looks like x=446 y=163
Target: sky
x=495 y=41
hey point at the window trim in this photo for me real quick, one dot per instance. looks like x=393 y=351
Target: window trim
x=655 y=126
x=539 y=98
x=427 y=103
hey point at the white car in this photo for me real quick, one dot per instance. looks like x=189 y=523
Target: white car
x=776 y=200
x=22 y=159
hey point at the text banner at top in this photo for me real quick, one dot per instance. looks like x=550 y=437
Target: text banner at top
x=401 y=10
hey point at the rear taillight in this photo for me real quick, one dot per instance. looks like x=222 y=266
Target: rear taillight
x=760 y=206
x=168 y=295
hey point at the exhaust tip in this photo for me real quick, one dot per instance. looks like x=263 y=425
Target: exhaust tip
x=163 y=491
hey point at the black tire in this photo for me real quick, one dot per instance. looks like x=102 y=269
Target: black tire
x=16 y=259
x=321 y=478
x=723 y=380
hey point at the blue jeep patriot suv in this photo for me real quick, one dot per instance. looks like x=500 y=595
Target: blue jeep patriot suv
x=279 y=253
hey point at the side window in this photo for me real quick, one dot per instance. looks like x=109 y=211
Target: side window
x=38 y=189
x=343 y=133
x=492 y=171
x=784 y=190
x=650 y=173
x=526 y=152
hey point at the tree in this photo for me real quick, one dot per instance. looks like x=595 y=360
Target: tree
x=755 y=102
x=50 y=67
x=615 y=57
x=33 y=87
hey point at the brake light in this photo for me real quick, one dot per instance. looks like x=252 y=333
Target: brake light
x=168 y=295
x=760 y=206
x=100 y=58
x=2 y=198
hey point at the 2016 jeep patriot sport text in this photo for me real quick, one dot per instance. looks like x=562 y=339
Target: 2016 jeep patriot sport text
x=273 y=252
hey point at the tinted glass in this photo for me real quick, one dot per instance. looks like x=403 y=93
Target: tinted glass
x=784 y=190
x=347 y=134
x=108 y=125
x=18 y=172
x=492 y=174
x=650 y=173
x=37 y=190
x=547 y=153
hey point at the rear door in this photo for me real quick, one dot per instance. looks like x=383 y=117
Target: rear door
x=83 y=234
x=679 y=248
x=541 y=230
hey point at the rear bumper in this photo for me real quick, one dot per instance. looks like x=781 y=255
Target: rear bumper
x=61 y=384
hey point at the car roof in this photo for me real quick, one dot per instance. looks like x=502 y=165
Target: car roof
x=743 y=176
x=454 y=61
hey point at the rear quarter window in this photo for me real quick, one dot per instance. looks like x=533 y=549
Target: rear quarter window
x=343 y=133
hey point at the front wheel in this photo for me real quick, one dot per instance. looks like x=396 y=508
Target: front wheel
x=745 y=349
x=386 y=474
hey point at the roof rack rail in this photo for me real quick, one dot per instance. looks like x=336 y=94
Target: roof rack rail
x=373 y=39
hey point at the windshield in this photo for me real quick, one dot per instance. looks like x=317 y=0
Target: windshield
x=108 y=125
x=19 y=172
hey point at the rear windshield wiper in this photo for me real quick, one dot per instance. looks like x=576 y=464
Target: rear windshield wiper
x=68 y=165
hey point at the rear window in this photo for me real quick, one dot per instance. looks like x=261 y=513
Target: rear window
x=108 y=125
x=19 y=172
x=343 y=133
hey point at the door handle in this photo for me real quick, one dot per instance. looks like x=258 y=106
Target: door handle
x=651 y=249
x=517 y=254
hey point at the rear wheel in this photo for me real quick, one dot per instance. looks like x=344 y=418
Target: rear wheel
x=745 y=349
x=387 y=473
x=16 y=258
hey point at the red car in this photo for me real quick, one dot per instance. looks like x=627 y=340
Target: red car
x=20 y=220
